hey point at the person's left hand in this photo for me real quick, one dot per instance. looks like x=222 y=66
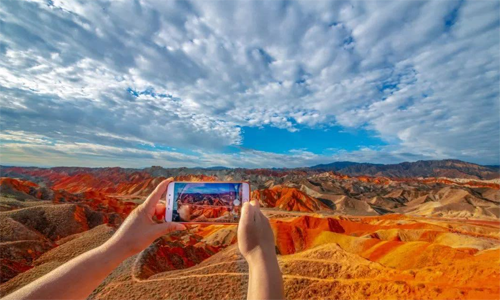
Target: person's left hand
x=139 y=229
x=255 y=235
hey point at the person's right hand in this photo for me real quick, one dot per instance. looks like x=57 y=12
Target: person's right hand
x=255 y=235
x=140 y=229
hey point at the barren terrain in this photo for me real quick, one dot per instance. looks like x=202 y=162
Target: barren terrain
x=337 y=237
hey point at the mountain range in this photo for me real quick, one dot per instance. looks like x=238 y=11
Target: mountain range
x=451 y=168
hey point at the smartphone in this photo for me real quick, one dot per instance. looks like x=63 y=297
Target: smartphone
x=206 y=202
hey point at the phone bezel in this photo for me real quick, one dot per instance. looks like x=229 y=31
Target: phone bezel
x=169 y=201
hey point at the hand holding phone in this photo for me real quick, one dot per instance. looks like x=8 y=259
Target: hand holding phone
x=256 y=244
x=206 y=202
x=255 y=235
x=140 y=229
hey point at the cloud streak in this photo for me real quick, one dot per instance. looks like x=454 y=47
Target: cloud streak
x=38 y=150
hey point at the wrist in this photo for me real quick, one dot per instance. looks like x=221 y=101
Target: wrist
x=259 y=257
x=117 y=249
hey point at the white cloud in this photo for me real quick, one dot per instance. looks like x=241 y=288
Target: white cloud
x=423 y=75
x=43 y=151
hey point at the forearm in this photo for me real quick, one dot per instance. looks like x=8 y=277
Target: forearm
x=265 y=278
x=75 y=279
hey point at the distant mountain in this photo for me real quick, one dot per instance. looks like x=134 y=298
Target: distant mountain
x=423 y=168
x=336 y=166
x=216 y=168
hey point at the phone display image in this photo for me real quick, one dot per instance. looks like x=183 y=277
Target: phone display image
x=207 y=202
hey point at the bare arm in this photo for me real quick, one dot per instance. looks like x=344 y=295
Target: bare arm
x=77 y=278
x=265 y=278
x=256 y=243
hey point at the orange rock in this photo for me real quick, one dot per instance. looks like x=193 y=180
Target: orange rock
x=288 y=198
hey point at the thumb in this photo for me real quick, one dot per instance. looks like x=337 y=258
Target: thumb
x=247 y=213
x=255 y=203
x=166 y=227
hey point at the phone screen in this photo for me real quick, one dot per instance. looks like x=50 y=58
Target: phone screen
x=207 y=202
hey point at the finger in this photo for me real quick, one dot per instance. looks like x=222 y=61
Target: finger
x=257 y=214
x=164 y=228
x=155 y=196
x=255 y=203
x=263 y=217
x=160 y=211
x=256 y=209
x=246 y=213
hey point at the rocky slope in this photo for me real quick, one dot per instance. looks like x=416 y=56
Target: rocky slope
x=337 y=236
x=348 y=258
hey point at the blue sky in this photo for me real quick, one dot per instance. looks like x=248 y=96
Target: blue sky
x=207 y=188
x=324 y=140
x=248 y=83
